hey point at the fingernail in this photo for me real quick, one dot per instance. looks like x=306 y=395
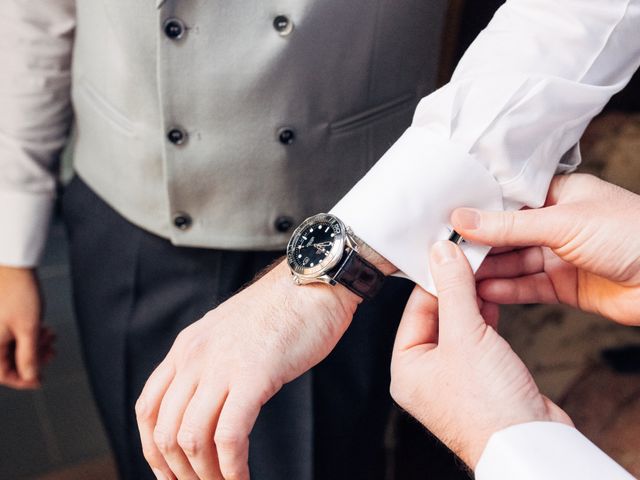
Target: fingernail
x=466 y=218
x=159 y=475
x=444 y=252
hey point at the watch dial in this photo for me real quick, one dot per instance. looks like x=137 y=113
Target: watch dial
x=313 y=244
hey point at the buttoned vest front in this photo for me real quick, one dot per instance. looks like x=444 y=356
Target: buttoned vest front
x=282 y=107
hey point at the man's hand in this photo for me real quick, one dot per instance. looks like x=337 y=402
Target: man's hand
x=24 y=343
x=583 y=249
x=453 y=372
x=197 y=409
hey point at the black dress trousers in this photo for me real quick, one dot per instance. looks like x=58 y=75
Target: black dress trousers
x=134 y=292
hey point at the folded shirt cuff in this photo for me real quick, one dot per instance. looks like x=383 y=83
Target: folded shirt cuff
x=25 y=221
x=545 y=451
x=401 y=207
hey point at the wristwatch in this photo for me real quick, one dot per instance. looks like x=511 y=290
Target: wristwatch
x=323 y=249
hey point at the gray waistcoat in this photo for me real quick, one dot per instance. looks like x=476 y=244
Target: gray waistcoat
x=278 y=120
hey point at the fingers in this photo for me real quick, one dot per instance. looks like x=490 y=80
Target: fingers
x=27 y=353
x=237 y=418
x=165 y=434
x=197 y=430
x=536 y=288
x=456 y=287
x=6 y=357
x=512 y=264
x=9 y=375
x=545 y=226
x=419 y=324
x=147 y=413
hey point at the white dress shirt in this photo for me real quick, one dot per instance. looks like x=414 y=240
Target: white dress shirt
x=33 y=130
x=492 y=138
x=545 y=451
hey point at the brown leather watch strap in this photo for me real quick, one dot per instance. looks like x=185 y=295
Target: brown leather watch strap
x=359 y=276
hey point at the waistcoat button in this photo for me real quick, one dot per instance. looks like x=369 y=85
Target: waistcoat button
x=182 y=221
x=174 y=29
x=283 y=25
x=284 y=224
x=286 y=136
x=177 y=136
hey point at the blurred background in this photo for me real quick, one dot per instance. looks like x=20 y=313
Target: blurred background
x=589 y=366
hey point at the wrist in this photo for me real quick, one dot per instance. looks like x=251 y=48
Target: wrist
x=13 y=274
x=475 y=447
x=17 y=270
x=337 y=300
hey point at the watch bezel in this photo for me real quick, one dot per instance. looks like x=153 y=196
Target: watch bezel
x=335 y=255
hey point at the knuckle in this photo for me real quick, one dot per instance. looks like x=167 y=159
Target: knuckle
x=508 y=221
x=152 y=456
x=189 y=347
x=164 y=440
x=142 y=408
x=230 y=471
x=227 y=440
x=191 y=441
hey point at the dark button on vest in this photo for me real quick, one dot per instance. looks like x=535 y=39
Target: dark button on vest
x=174 y=29
x=177 y=136
x=182 y=221
x=283 y=25
x=286 y=136
x=283 y=224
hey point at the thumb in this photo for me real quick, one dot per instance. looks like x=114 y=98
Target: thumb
x=456 y=287
x=545 y=226
x=419 y=324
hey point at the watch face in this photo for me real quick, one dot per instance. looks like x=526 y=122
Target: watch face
x=316 y=246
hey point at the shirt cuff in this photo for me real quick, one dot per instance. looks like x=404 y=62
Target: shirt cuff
x=545 y=451
x=25 y=219
x=401 y=207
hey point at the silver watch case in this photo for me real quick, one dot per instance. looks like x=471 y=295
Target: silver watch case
x=344 y=240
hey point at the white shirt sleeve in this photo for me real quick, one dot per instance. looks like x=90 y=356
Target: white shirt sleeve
x=545 y=451
x=492 y=138
x=35 y=54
